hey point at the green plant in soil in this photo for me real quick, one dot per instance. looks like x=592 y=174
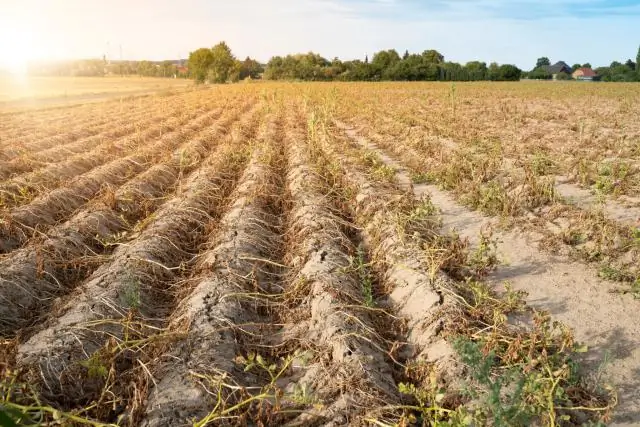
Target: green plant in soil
x=623 y=276
x=635 y=236
x=521 y=376
x=490 y=198
x=96 y=368
x=379 y=170
x=541 y=164
x=422 y=178
x=363 y=269
x=516 y=377
x=612 y=177
x=615 y=274
x=484 y=258
x=417 y=219
x=130 y=294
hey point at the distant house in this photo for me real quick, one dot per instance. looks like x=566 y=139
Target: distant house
x=182 y=71
x=585 y=74
x=557 y=68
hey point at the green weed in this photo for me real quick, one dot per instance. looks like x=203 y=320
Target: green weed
x=362 y=268
x=541 y=164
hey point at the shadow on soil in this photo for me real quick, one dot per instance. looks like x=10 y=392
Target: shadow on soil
x=615 y=346
x=507 y=272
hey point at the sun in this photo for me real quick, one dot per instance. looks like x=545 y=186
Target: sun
x=18 y=47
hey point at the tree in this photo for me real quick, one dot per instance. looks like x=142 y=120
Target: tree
x=199 y=63
x=622 y=73
x=413 y=68
x=305 y=66
x=494 y=71
x=604 y=73
x=563 y=76
x=168 y=69
x=356 y=71
x=576 y=66
x=222 y=63
x=638 y=63
x=476 y=70
x=540 y=73
x=250 y=68
x=509 y=72
x=586 y=65
x=542 y=62
x=433 y=56
x=630 y=64
x=147 y=69
x=406 y=54
x=275 y=68
x=383 y=61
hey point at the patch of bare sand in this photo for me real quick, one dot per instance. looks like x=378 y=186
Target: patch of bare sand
x=571 y=291
x=625 y=210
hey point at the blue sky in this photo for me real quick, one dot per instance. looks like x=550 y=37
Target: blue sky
x=506 y=31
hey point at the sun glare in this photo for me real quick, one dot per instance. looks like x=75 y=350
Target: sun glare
x=18 y=47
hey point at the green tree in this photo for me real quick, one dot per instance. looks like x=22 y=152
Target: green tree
x=147 y=69
x=586 y=65
x=357 y=71
x=383 y=61
x=274 y=68
x=168 y=69
x=604 y=73
x=540 y=73
x=638 y=63
x=494 y=71
x=250 y=68
x=563 y=76
x=452 y=71
x=476 y=70
x=222 y=65
x=630 y=64
x=508 y=72
x=575 y=67
x=542 y=62
x=622 y=73
x=413 y=68
x=199 y=62
x=433 y=56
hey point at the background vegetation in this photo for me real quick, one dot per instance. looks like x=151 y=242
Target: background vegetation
x=219 y=65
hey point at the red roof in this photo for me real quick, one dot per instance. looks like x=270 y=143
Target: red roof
x=587 y=72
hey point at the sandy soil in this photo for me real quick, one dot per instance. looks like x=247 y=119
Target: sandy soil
x=571 y=291
x=625 y=210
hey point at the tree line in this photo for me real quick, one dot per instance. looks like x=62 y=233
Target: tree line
x=387 y=65
x=102 y=67
x=219 y=65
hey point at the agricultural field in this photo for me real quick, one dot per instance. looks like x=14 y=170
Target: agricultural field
x=27 y=91
x=323 y=254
